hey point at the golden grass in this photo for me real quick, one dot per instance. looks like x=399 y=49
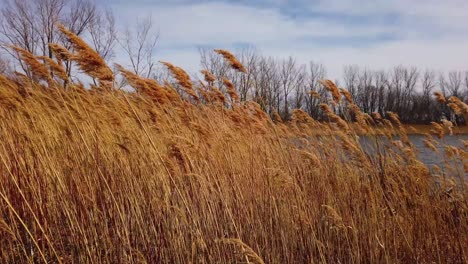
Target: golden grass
x=423 y=129
x=108 y=176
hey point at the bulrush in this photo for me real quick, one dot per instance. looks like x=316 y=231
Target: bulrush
x=60 y=52
x=209 y=77
x=37 y=68
x=438 y=130
x=299 y=115
x=394 y=118
x=440 y=97
x=232 y=60
x=347 y=95
x=182 y=78
x=334 y=117
x=145 y=86
x=87 y=58
x=314 y=94
x=231 y=90
x=457 y=105
x=429 y=143
x=204 y=92
x=331 y=87
x=55 y=67
x=218 y=95
x=277 y=118
x=377 y=117
x=448 y=125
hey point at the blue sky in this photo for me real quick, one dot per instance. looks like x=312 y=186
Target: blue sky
x=372 y=33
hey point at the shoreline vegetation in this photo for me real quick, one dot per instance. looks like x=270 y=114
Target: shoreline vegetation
x=419 y=129
x=187 y=173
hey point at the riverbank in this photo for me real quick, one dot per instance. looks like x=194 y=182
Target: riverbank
x=418 y=129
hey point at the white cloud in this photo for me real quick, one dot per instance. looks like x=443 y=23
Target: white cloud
x=224 y=23
x=428 y=34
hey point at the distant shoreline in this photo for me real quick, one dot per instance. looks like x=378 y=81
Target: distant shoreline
x=410 y=129
x=418 y=129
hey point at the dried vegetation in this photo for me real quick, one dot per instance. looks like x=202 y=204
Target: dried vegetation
x=102 y=175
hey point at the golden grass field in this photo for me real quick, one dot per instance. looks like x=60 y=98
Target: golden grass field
x=103 y=175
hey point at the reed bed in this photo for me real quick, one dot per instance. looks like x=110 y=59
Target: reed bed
x=101 y=175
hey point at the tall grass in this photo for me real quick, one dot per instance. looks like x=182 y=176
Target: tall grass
x=153 y=176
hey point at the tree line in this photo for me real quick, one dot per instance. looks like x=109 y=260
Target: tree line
x=277 y=85
x=281 y=85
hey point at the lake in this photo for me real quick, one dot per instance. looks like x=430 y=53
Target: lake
x=426 y=155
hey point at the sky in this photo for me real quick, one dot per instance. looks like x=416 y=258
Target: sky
x=378 y=34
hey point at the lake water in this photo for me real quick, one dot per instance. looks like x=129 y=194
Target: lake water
x=426 y=155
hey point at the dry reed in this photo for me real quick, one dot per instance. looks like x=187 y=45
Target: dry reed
x=112 y=176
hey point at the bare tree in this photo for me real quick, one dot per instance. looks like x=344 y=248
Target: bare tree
x=5 y=66
x=455 y=83
x=428 y=83
x=350 y=76
x=381 y=84
x=301 y=88
x=215 y=64
x=290 y=76
x=140 y=47
x=103 y=34
x=244 y=81
x=425 y=102
x=366 y=91
x=316 y=73
x=32 y=25
x=266 y=84
x=465 y=85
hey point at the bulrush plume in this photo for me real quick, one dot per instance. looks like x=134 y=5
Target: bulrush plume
x=451 y=151
x=231 y=90
x=440 y=97
x=458 y=106
x=429 y=143
x=277 y=118
x=334 y=219
x=331 y=87
x=60 y=52
x=209 y=77
x=56 y=68
x=204 y=92
x=455 y=108
x=314 y=94
x=217 y=95
x=437 y=129
x=87 y=58
x=145 y=86
x=235 y=64
x=182 y=78
x=311 y=157
x=448 y=125
x=171 y=92
x=394 y=118
x=376 y=116
x=257 y=110
x=347 y=95
x=361 y=118
x=334 y=117
x=299 y=115
x=248 y=252
x=38 y=69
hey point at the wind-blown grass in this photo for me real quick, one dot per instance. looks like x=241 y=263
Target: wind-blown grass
x=109 y=176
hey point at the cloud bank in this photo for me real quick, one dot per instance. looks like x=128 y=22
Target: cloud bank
x=378 y=34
